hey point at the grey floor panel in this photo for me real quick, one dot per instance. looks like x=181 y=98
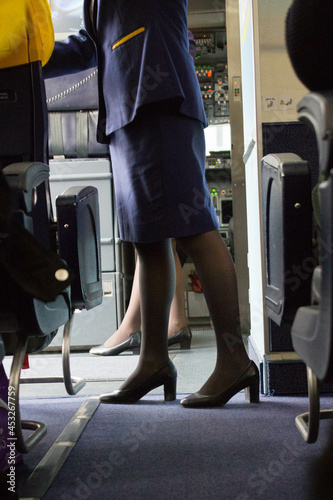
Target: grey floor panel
x=193 y=370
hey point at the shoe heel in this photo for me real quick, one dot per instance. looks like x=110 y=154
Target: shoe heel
x=252 y=391
x=170 y=389
x=185 y=339
x=136 y=350
x=185 y=343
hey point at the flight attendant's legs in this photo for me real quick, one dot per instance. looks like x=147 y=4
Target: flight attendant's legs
x=157 y=286
x=233 y=370
x=217 y=276
x=132 y=319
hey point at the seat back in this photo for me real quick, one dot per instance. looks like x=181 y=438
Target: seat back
x=23 y=124
x=312 y=330
x=26 y=33
x=23 y=161
x=72 y=128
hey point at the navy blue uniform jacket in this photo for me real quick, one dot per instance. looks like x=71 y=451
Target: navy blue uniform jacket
x=141 y=49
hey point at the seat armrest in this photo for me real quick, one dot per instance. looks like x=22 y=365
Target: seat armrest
x=316 y=110
x=22 y=179
x=79 y=243
x=287 y=233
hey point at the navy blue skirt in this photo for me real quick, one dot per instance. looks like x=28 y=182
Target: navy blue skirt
x=158 y=165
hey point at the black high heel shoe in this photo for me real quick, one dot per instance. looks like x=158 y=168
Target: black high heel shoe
x=183 y=337
x=133 y=342
x=248 y=380
x=167 y=376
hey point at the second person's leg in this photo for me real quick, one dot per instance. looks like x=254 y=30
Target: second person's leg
x=178 y=332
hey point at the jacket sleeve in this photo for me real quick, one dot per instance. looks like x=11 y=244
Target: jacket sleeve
x=75 y=54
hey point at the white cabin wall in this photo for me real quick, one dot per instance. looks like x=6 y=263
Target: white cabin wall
x=269 y=83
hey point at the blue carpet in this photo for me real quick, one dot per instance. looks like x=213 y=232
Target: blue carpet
x=55 y=413
x=161 y=451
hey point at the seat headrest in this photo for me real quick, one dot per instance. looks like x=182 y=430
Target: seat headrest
x=26 y=32
x=309 y=39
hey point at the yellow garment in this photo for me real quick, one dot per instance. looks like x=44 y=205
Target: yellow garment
x=26 y=32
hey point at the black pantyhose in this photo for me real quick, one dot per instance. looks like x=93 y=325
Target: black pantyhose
x=218 y=280
x=157 y=287
x=157 y=284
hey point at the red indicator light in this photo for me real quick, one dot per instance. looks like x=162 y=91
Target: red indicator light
x=209 y=73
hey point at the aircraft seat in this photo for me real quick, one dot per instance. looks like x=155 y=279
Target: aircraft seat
x=72 y=102
x=311 y=320
x=312 y=329
x=34 y=246
x=75 y=156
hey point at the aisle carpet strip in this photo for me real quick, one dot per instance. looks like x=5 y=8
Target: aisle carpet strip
x=47 y=469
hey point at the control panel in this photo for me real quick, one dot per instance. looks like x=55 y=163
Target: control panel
x=212 y=72
x=222 y=201
x=220 y=188
x=210 y=42
x=218 y=159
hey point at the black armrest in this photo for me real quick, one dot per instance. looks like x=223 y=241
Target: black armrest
x=287 y=227
x=79 y=243
x=23 y=178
